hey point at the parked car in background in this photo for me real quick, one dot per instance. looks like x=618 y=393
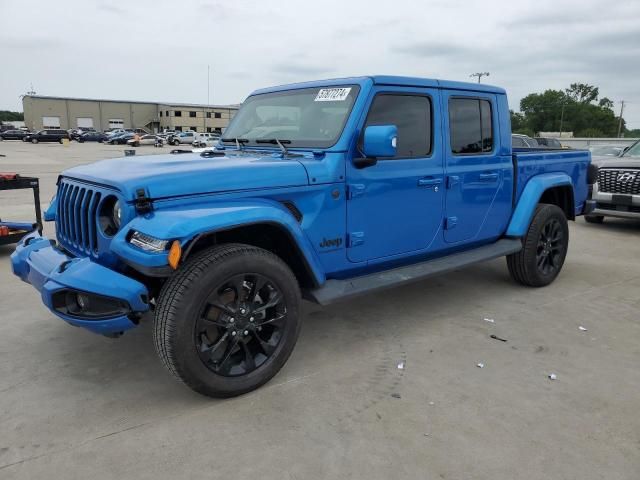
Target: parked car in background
x=120 y=139
x=14 y=134
x=548 y=142
x=183 y=138
x=50 y=135
x=76 y=133
x=606 y=150
x=616 y=190
x=523 y=141
x=205 y=140
x=92 y=137
x=143 y=140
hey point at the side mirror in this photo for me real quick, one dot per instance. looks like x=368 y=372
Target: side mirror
x=379 y=141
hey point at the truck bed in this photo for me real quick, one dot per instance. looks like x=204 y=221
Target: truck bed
x=535 y=161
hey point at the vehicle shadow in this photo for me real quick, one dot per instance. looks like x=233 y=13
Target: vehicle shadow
x=375 y=325
x=620 y=225
x=6 y=250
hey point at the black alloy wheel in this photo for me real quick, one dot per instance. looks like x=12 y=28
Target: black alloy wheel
x=550 y=253
x=240 y=324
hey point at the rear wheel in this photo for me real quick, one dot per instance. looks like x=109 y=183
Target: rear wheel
x=227 y=321
x=544 y=248
x=594 y=218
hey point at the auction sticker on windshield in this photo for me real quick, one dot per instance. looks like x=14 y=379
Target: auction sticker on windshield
x=332 y=94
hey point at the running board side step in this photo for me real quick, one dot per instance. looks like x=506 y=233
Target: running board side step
x=334 y=290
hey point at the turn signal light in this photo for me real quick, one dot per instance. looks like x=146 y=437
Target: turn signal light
x=175 y=252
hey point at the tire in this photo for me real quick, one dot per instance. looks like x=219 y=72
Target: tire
x=544 y=248
x=200 y=351
x=594 y=218
x=61 y=142
x=34 y=140
x=176 y=143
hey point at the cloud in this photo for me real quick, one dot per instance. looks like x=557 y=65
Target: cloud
x=528 y=46
x=433 y=49
x=294 y=68
x=110 y=8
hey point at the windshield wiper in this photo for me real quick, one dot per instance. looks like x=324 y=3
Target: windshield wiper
x=238 y=141
x=275 y=141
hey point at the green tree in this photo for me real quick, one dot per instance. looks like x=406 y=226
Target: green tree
x=7 y=116
x=577 y=108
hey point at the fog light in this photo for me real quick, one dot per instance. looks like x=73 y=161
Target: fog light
x=83 y=301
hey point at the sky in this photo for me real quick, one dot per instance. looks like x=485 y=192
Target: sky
x=159 y=50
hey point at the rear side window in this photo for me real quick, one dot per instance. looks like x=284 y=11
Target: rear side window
x=412 y=115
x=470 y=126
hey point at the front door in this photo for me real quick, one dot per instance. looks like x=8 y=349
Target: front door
x=478 y=185
x=395 y=206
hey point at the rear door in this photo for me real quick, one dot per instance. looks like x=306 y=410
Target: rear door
x=395 y=206
x=477 y=197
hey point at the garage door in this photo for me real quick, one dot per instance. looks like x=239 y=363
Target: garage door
x=50 y=122
x=85 y=122
x=116 y=123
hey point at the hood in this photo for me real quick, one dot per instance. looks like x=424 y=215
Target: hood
x=616 y=162
x=170 y=175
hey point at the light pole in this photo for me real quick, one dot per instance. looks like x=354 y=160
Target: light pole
x=620 y=121
x=479 y=75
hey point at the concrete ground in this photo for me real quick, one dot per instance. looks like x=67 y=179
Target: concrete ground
x=74 y=405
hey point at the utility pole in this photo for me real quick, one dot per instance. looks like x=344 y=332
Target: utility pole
x=207 y=107
x=479 y=75
x=561 y=119
x=620 y=121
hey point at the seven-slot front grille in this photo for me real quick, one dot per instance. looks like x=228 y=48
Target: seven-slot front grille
x=623 y=181
x=76 y=216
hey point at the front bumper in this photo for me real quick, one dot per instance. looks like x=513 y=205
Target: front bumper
x=38 y=262
x=614 y=205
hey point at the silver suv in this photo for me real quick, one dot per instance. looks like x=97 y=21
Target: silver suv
x=617 y=189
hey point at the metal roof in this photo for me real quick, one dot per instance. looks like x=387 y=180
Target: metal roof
x=169 y=104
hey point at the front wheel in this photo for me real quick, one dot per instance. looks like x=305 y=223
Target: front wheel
x=176 y=142
x=228 y=319
x=34 y=140
x=544 y=248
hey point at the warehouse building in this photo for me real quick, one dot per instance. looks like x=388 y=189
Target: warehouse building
x=61 y=112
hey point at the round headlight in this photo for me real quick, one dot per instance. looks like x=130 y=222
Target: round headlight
x=110 y=216
x=117 y=215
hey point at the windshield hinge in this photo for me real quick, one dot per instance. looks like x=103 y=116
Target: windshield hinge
x=142 y=202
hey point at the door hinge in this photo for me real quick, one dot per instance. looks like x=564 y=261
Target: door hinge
x=355 y=239
x=452 y=180
x=142 y=202
x=355 y=190
x=450 y=223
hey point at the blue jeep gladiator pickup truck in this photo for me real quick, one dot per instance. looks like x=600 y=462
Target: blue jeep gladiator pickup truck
x=319 y=190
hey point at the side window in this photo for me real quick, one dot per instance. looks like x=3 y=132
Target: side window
x=470 y=126
x=412 y=115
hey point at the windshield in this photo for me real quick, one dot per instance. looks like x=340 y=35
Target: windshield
x=634 y=150
x=310 y=117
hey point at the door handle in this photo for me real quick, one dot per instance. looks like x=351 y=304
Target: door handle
x=429 y=182
x=488 y=177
